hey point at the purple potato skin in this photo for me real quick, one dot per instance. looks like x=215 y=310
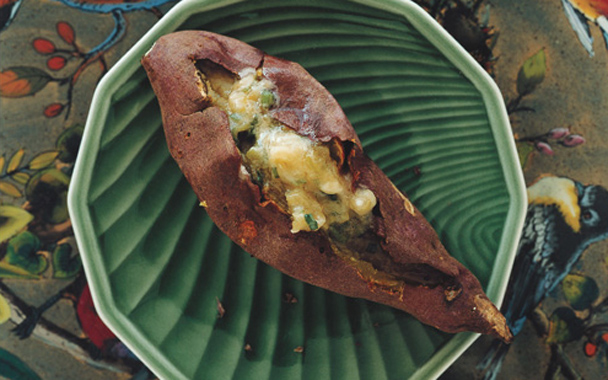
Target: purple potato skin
x=199 y=139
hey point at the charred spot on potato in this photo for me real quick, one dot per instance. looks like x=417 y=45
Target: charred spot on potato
x=345 y=149
x=247 y=232
x=201 y=83
x=372 y=247
x=245 y=140
x=216 y=78
x=364 y=251
x=289 y=298
x=452 y=292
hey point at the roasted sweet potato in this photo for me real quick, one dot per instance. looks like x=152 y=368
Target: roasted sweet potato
x=279 y=168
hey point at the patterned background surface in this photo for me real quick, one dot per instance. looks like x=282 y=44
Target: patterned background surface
x=52 y=54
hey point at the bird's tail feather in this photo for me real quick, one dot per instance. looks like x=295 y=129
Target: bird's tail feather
x=603 y=23
x=490 y=365
x=580 y=26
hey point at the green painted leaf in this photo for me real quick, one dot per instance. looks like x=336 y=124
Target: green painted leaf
x=564 y=326
x=14 y=272
x=47 y=192
x=13 y=368
x=21 y=177
x=531 y=73
x=10 y=189
x=524 y=151
x=65 y=264
x=15 y=160
x=5 y=310
x=68 y=143
x=580 y=291
x=12 y=220
x=22 y=251
x=43 y=160
x=2 y=163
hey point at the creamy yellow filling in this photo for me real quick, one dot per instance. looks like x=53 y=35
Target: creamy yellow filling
x=302 y=177
x=316 y=193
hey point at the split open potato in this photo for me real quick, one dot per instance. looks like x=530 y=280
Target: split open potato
x=279 y=168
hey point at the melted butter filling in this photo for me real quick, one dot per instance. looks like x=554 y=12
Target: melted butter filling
x=295 y=172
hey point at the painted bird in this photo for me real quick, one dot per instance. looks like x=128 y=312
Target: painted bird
x=8 y=10
x=580 y=12
x=564 y=218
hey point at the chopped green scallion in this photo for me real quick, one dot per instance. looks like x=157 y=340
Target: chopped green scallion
x=312 y=223
x=267 y=98
x=254 y=121
x=259 y=177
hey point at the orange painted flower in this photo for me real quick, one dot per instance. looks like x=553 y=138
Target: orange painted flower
x=11 y=86
x=591 y=8
x=19 y=81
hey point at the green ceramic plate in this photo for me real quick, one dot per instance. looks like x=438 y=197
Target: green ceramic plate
x=157 y=266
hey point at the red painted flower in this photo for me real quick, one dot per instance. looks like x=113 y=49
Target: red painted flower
x=56 y=63
x=544 y=148
x=573 y=140
x=53 y=110
x=91 y=324
x=590 y=349
x=558 y=133
x=43 y=46
x=66 y=32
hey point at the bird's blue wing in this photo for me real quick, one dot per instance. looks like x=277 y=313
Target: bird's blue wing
x=533 y=268
x=114 y=6
x=580 y=26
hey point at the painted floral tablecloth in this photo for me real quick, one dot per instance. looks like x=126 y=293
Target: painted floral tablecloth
x=549 y=59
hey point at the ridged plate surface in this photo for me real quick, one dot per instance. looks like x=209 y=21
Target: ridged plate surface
x=158 y=266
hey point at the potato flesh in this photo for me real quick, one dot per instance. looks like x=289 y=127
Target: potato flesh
x=303 y=179
x=298 y=171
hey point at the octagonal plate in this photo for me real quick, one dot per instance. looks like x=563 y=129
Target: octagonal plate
x=158 y=268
